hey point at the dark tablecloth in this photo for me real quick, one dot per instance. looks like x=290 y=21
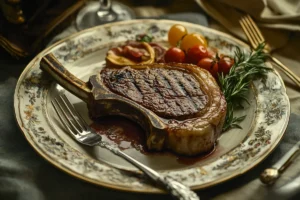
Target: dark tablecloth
x=25 y=175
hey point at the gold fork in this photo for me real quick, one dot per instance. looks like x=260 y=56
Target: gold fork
x=255 y=37
x=270 y=175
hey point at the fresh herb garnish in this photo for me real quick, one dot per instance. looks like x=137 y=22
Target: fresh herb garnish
x=143 y=38
x=235 y=85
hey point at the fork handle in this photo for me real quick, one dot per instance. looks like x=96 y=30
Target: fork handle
x=286 y=70
x=176 y=189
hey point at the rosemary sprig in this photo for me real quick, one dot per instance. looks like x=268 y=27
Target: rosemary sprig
x=235 y=84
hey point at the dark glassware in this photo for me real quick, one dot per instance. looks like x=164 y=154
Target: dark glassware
x=102 y=12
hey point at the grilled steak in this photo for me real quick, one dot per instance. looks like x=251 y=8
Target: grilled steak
x=180 y=106
x=167 y=92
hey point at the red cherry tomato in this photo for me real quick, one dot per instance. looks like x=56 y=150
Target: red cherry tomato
x=196 y=53
x=175 y=54
x=212 y=52
x=210 y=65
x=225 y=63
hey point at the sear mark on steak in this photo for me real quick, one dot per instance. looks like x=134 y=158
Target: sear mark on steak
x=170 y=93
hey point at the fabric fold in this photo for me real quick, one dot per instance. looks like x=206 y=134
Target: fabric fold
x=276 y=24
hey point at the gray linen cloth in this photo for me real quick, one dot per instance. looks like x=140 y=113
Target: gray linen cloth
x=24 y=175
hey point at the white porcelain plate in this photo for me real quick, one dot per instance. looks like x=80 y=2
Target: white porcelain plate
x=237 y=151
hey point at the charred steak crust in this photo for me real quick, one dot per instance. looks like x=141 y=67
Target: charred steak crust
x=185 y=105
x=171 y=93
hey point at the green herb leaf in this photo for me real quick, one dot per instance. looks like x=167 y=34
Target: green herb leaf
x=143 y=38
x=235 y=84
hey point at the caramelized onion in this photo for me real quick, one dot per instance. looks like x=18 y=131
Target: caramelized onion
x=130 y=54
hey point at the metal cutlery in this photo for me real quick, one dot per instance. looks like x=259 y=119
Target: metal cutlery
x=270 y=175
x=255 y=37
x=83 y=134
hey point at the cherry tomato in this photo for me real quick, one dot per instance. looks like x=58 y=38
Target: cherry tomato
x=176 y=33
x=191 y=40
x=225 y=63
x=175 y=54
x=210 y=65
x=196 y=53
x=212 y=52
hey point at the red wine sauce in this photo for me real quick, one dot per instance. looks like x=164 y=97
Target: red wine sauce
x=128 y=135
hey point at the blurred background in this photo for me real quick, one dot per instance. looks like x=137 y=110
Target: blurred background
x=26 y=26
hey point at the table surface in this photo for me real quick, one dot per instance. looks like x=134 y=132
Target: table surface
x=30 y=177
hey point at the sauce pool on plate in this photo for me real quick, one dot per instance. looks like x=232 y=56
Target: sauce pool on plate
x=126 y=134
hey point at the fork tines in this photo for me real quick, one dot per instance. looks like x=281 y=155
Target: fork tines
x=252 y=31
x=68 y=115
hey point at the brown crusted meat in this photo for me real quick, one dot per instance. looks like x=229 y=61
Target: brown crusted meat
x=184 y=103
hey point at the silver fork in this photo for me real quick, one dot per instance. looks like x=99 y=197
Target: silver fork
x=255 y=37
x=81 y=132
